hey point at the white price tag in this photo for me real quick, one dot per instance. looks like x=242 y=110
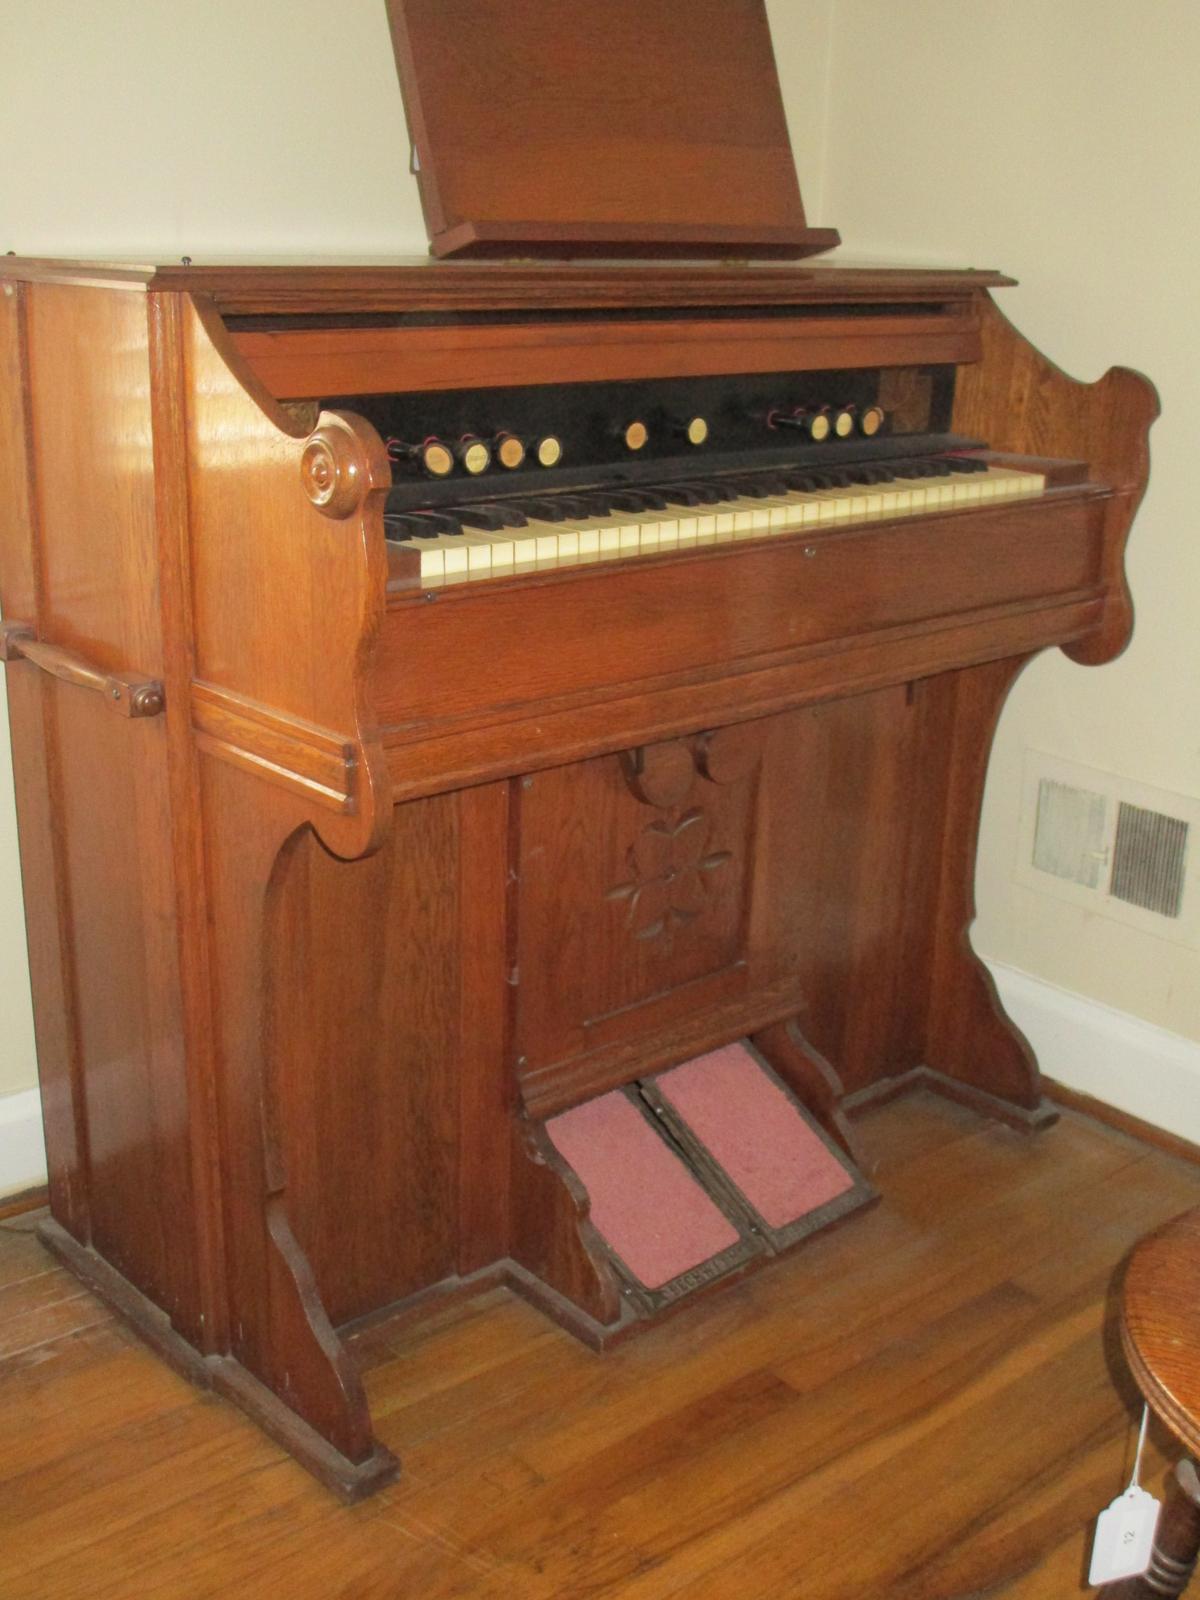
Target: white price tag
x=1124 y=1537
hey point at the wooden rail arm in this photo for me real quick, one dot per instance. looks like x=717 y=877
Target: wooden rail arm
x=128 y=697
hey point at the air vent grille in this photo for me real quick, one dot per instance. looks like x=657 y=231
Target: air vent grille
x=1111 y=845
x=1149 y=857
x=1070 y=839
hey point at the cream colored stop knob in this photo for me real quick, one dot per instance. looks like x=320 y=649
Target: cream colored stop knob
x=474 y=455
x=696 y=431
x=549 y=451
x=843 y=423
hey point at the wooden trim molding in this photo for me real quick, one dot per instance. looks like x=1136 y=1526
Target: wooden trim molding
x=418 y=285
x=1123 y=1121
x=309 y=761
x=17 y=1205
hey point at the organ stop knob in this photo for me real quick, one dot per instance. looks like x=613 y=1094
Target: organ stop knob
x=815 y=424
x=437 y=458
x=510 y=451
x=474 y=455
x=871 y=421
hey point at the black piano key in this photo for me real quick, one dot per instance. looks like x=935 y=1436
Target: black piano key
x=598 y=503
x=684 y=495
x=439 y=521
x=398 y=527
x=746 y=489
x=550 y=510
x=491 y=518
x=579 y=507
x=636 y=500
x=706 y=494
x=408 y=527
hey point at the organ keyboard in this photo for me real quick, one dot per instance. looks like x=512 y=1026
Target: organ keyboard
x=515 y=535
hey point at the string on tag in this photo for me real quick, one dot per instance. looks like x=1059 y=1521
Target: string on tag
x=1124 y=1540
x=1141 y=1444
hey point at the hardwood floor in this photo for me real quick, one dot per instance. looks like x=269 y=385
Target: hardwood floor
x=925 y=1404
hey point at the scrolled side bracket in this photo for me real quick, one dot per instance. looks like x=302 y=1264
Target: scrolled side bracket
x=341 y=463
x=128 y=697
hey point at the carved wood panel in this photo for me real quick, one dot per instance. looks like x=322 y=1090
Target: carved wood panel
x=634 y=896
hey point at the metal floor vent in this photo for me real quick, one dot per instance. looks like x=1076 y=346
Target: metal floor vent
x=1111 y=845
x=1149 y=858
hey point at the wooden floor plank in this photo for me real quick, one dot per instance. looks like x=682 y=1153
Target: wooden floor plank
x=924 y=1404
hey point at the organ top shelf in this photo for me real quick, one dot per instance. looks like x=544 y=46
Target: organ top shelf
x=257 y=287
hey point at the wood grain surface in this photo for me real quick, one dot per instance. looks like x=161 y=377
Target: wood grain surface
x=927 y=1406
x=1160 y=1324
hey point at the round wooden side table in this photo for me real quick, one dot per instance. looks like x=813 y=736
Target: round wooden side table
x=1160 y=1334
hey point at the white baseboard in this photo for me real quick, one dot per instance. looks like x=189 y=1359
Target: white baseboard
x=1128 y=1063
x=22 y=1151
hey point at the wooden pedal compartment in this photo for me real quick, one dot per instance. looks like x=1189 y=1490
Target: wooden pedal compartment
x=700 y=1170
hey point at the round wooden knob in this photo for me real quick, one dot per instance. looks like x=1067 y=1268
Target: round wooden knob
x=510 y=451
x=843 y=423
x=636 y=435
x=333 y=472
x=697 y=430
x=437 y=458
x=871 y=421
x=549 y=451
x=819 y=426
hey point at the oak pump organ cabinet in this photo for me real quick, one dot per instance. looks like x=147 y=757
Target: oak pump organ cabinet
x=480 y=727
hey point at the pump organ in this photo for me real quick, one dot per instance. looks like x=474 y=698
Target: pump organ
x=319 y=948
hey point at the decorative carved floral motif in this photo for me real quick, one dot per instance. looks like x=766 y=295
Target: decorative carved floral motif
x=670 y=865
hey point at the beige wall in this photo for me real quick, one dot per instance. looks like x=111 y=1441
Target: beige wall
x=1059 y=140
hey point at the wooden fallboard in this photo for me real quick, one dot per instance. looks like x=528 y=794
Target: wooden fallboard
x=304 y=363
x=560 y=639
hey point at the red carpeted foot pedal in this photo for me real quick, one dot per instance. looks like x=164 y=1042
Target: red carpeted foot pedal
x=692 y=1173
x=743 y=1127
x=665 y=1234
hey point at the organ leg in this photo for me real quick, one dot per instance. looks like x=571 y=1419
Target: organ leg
x=284 y=1364
x=968 y=1038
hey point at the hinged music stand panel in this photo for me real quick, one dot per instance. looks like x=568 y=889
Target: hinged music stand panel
x=560 y=127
